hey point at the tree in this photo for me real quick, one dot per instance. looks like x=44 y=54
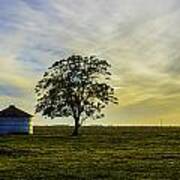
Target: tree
x=75 y=87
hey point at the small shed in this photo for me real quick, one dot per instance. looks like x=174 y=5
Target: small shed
x=15 y=121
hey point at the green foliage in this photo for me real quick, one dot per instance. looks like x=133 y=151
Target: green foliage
x=75 y=87
x=100 y=153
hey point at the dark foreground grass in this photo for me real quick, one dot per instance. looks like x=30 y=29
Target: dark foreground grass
x=98 y=153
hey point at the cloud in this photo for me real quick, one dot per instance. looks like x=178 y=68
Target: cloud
x=140 y=39
x=10 y=91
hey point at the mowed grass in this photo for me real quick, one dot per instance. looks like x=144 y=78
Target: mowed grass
x=98 y=153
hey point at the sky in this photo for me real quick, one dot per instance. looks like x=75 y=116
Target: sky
x=141 y=40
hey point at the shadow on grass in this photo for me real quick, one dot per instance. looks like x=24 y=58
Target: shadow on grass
x=15 y=152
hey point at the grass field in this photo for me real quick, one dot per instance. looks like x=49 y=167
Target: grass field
x=98 y=153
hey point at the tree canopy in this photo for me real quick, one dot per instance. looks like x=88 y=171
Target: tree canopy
x=76 y=86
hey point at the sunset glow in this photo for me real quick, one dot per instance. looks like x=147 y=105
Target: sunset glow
x=141 y=39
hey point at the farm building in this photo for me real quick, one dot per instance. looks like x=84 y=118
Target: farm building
x=15 y=121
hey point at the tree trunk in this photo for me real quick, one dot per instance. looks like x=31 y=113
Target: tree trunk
x=76 y=127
